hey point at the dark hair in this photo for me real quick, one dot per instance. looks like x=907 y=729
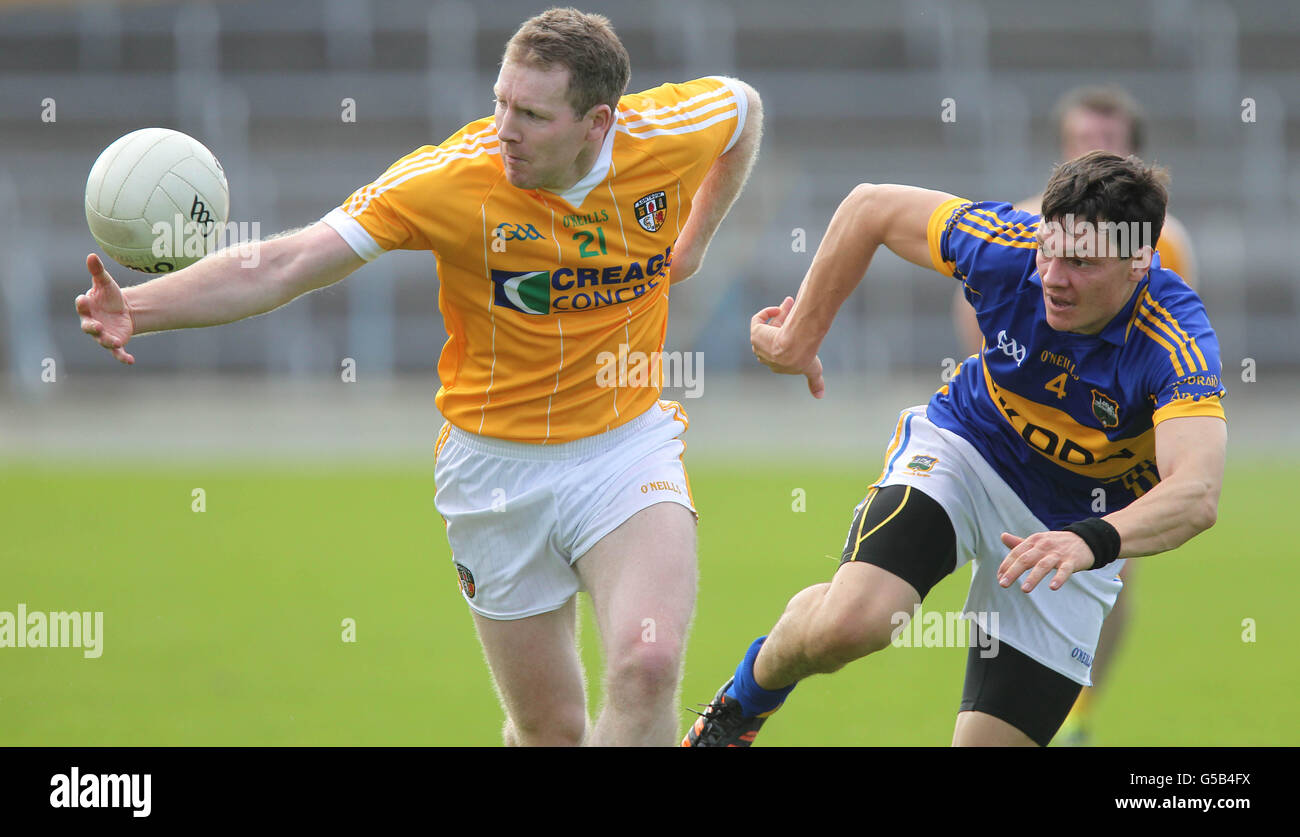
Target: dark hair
x=1101 y=186
x=583 y=43
x=1108 y=100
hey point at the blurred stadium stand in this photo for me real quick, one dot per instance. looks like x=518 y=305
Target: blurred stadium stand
x=852 y=93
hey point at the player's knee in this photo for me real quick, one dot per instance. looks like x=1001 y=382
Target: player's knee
x=646 y=667
x=807 y=598
x=559 y=726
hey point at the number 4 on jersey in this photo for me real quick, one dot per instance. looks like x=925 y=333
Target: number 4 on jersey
x=1057 y=385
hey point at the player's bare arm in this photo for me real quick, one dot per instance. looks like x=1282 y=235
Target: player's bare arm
x=1189 y=455
x=224 y=287
x=786 y=338
x=719 y=191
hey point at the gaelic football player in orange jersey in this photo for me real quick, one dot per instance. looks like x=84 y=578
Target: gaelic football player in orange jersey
x=558 y=224
x=1096 y=119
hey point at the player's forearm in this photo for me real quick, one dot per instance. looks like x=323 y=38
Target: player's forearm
x=838 y=266
x=713 y=201
x=213 y=291
x=1170 y=514
x=229 y=285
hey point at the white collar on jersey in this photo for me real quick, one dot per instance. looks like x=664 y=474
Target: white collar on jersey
x=577 y=193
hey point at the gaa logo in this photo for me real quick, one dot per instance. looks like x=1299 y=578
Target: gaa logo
x=1011 y=348
x=506 y=231
x=466 y=579
x=651 y=211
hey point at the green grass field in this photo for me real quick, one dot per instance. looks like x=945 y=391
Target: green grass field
x=225 y=627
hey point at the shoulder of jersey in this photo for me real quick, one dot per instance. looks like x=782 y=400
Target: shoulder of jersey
x=1172 y=292
x=649 y=113
x=1169 y=319
x=473 y=148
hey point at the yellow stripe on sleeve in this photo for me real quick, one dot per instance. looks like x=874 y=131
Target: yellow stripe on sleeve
x=995 y=239
x=997 y=226
x=934 y=233
x=1187 y=338
x=1183 y=407
x=1151 y=319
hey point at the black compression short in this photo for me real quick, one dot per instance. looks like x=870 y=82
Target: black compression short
x=1021 y=691
x=900 y=529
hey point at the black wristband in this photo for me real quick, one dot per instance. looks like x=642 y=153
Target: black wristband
x=1101 y=538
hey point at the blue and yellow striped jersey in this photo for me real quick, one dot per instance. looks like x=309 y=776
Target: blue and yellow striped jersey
x=1060 y=415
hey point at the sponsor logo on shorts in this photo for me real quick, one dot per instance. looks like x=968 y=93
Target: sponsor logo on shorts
x=1106 y=409
x=1082 y=656
x=923 y=463
x=660 y=485
x=651 y=211
x=466 y=579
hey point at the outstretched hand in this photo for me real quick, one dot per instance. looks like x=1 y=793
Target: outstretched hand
x=764 y=338
x=1041 y=553
x=104 y=312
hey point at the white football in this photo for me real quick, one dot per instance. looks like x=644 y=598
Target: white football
x=157 y=200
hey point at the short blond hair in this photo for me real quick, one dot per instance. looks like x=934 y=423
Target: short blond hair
x=583 y=43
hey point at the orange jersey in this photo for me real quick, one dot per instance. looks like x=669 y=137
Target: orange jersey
x=540 y=290
x=1175 y=252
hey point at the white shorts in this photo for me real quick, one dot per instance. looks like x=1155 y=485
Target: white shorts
x=1058 y=628
x=519 y=515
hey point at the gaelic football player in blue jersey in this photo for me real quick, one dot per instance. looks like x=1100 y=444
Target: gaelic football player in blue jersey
x=1098 y=387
